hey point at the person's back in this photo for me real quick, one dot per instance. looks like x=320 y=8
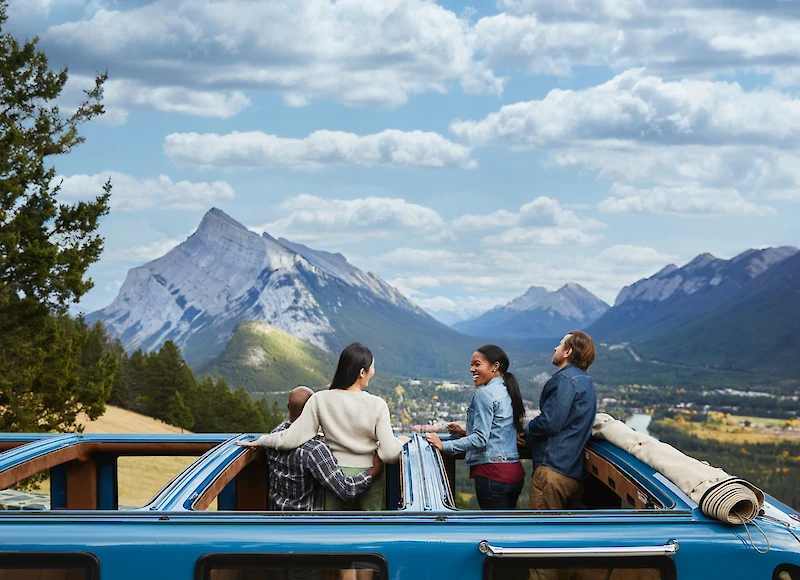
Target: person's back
x=290 y=488
x=299 y=478
x=355 y=423
x=562 y=449
x=568 y=405
x=352 y=422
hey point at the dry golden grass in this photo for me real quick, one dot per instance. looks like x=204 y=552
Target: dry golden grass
x=116 y=420
x=736 y=433
x=139 y=478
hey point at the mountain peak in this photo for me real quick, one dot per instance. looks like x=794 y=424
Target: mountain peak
x=759 y=261
x=215 y=220
x=216 y=215
x=573 y=288
x=665 y=271
x=531 y=299
x=538 y=314
x=699 y=262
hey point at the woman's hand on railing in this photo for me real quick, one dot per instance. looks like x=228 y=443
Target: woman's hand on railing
x=434 y=440
x=456 y=429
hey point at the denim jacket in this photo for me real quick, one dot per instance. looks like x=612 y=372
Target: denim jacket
x=491 y=434
x=568 y=404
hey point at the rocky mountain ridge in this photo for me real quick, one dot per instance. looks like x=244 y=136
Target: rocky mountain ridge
x=224 y=273
x=654 y=306
x=539 y=313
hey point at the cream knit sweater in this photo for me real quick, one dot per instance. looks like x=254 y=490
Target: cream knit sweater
x=355 y=423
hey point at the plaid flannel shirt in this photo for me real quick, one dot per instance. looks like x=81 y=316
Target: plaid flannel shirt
x=298 y=478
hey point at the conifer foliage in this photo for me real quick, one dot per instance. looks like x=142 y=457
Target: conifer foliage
x=49 y=369
x=160 y=384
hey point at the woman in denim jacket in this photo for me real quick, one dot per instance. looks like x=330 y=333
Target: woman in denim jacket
x=490 y=439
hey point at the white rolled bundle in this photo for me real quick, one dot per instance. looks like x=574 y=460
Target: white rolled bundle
x=734 y=501
x=719 y=495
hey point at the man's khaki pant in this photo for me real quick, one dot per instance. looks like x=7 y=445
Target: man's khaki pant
x=552 y=491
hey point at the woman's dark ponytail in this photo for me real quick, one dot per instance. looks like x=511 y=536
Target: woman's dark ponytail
x=512 y=386
x=495 y=354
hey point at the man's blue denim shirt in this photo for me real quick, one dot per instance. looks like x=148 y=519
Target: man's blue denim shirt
x=568 y=404
x=491 y=433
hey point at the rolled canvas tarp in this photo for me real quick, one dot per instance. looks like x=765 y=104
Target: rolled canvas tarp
x=719 y=495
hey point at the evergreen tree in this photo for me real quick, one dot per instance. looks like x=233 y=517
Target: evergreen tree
x=135 y=375
x=169 y=374
x=43 y=381
x=46 y=246
x=180 y=414
x=271 y=415
x=243 y=414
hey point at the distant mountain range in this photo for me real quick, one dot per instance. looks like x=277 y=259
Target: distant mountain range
x=737 y=314
x=538 y=314
x=197 y=293
x=757 y=329
x=740 y=313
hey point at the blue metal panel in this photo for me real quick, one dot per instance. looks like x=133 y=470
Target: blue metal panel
x=23 y=453
x=226 y=500
x=210 y=438
x=425 y=541
x=58 y=487
x=416 y=546
x=107 y=487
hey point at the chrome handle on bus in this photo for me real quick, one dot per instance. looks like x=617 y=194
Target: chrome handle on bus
x=667 y=549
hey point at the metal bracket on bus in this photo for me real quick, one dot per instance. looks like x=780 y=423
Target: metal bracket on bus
x=667 y=549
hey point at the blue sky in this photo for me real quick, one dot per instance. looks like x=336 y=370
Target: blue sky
x=463 y=153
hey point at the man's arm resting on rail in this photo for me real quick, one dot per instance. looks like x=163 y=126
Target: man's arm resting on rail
x=325 y=469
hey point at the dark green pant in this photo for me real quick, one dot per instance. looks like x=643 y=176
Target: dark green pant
x=371 y=500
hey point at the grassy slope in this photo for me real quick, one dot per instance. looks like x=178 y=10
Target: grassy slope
x=262 y=358
x=139 y=477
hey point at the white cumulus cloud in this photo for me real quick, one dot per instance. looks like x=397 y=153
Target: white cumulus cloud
x=635 y=106
x=680 y=37
x=144 y=252
x=316 y=219
x=681 y=201
x=133 y=194
x=120 y=96
x=255 y=149
x=627 y=255
x=539 y=222
x=351 y=51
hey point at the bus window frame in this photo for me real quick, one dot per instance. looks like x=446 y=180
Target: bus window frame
x=209 y=562
x=664 y=564
x=52 y=561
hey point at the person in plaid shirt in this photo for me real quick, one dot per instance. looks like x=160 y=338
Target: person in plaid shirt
x=298 y=478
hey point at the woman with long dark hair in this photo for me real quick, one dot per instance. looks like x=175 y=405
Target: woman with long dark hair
x=490 y=439
x=355 y=423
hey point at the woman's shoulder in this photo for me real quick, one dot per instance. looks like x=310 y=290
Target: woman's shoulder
x=493 y=391
x=374 y=399
x=363 y=397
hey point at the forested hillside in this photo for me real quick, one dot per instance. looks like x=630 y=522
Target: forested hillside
x=262 y=358
x=160 y=384
x=774 y=467
x=756 y=331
